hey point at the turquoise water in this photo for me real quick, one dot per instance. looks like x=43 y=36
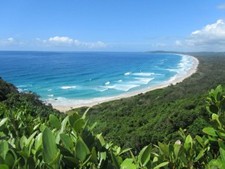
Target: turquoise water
x=88 y=75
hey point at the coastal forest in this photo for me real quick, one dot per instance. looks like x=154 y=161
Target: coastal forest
x=180 y=126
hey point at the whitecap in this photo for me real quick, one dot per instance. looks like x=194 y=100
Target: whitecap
x=51 y=95
x=141 y=80
x=107 y=83
x=127 y=73
x=68 y=87
x=121 y=87
x=143 y=74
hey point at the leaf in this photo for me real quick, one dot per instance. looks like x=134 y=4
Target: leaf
x=81 y=149
x=144 y=155
x=78 y=125
x=67 y=141
x=222 y=155
x=176 y=149
x=3 y=121
x=50 y=150
x=200 y=155
x=101 y=139
x=128 y=164
x=164 y=148
x=115 y=161
x=63 y=124
x=210 y=131
x=38 y=142
x=161 y=165
x=200 y=140
x=3 y=166
x=72 y=118
x=188 y=142
x=54 y=121
x=4 y=148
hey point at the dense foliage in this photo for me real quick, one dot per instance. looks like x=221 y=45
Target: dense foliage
x=158 y=115
x=69 y=142
x=13 y=99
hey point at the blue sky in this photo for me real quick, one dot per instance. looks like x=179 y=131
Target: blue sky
x=112 y=25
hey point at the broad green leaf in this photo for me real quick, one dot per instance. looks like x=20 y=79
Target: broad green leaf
x=54 y=121
x=176 y=149
x=38 y=142
x=144 y=155
x=3 y=166
x=63 y=124
x=128 y=164
x=66 y=141
x=222 y=154
x=161 y=165
x=81 y=149
x=101 y=139
x=94 y=157
x=72 y=118
x=50 y=151
x=210 y=131
x=188 y=142
x=3 y=121
x=4 y=148
x=200 y=140
x=164 y=149
x=200 y=155
x=78 y=125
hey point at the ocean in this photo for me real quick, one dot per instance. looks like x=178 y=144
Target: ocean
x=66 y=76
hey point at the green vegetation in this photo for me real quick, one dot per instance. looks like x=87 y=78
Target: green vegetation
x=14 y=100
x=54 y=141
x=158 y=115
x=34 y=135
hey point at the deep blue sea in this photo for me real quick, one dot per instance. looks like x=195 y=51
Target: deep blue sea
x=88 y=75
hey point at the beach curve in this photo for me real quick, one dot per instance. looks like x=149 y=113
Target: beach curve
x=179 y=77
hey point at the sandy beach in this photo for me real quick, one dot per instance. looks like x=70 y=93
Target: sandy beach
x=89 y=103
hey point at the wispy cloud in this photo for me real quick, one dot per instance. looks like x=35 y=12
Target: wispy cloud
x=70 y=42
x=52 y=43
x=8 y=41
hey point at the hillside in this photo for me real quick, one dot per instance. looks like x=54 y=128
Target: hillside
x=34 y=135
x=158 y=115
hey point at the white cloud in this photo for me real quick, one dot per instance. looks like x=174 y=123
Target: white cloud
x=9 y=41
x=62 y=39
x=210 y=38
x=67 y=41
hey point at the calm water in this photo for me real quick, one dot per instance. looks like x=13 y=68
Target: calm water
x=88 y=75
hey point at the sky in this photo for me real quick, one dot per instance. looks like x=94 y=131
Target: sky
x=112 y=25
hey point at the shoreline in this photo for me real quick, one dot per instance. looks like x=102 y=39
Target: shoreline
x=174 y=80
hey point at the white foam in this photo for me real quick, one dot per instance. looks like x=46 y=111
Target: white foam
x=141 y=80
x=173 y=70
x=68 y=87
x=49 y=90
x=127 y=73
x=143 y=74
x=107 y=83
x=51 y=95
x=123 y=87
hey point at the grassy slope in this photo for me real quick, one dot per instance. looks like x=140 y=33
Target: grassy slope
x=157 y=115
